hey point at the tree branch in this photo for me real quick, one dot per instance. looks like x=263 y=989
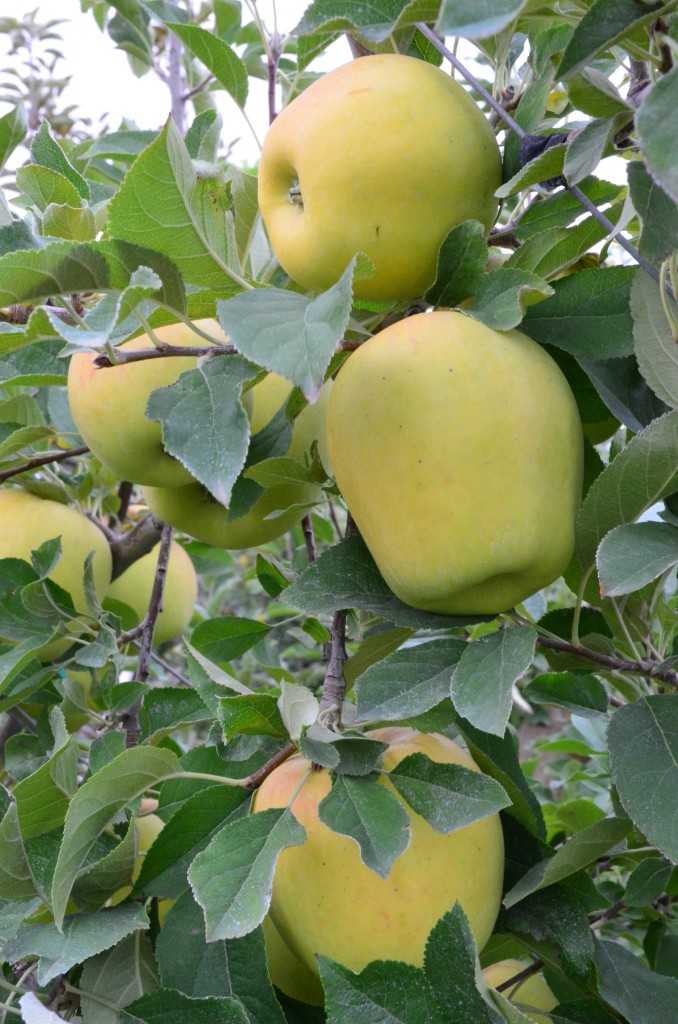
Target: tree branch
x=273 y=60
x=254 y=780
x=128 y=547
x=175 y=82
x=42 y=460
x=309 y=537
x=161 y=352
x=334 y=686
x=639 y=668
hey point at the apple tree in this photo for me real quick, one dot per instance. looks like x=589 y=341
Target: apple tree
x=230 y=750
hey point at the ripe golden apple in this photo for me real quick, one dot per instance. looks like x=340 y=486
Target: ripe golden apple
x=28 y=521
x=287 y=970
x=195 y=512
x=533 y=992
x=109 y=406
x=458 y=450
x=326 y=901
x=134 y=588
x=383 y=155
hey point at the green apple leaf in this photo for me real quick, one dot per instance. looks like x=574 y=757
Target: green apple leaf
x=477 y=19
x=643 y=745
x=483 y=679
x=43 y=186
x=461 y=262
x=561 y=208
x=602 y=26
x=13 y=129
x=386 y=991
x=292 y=335
x=16 y=234
x=631 y=556
x=555 y=249
x=624 y=391
x=451 y=967
x=375 y=21
x=577 y=692
x=630 y=987
x=116 y=145
x=346 y=754
x=298 y=707
x=644 y=472
x=448 y=796
x=657 y=140
x=42 y=799
x=16 y=880
x=408 y=682
x=168 y=1004
x=120 y=975
x=251 y=714
x=647 y=882
x=549 y=164
x=228 y=637
x=93 y=887
x=232 y=967
x=369 y=814
x=502 y=297
x=233 y=877
x=373 y=649
x=62 y=221
x=656 y=348
x=657 y=211
x=166 y=707
x=47 y=152
x=217 y=56
x=557 y=914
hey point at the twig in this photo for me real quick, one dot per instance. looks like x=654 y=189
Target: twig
x=335 y=521
x=175 y=82
x=609 y=661
x=125 y=491
x=607 y=915
x=522 y=976
x=129 y=547
x=334 y=686
x=166 y=665
x=657 y=30
x=200 y=87
x=273 y=56
x=138 y=355
x=256 y=778
x=20 y=315
x=639 y=82
x=42 y=460
x=309 y=537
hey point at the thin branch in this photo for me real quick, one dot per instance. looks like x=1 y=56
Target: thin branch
x=162 y=352
x=166 y=665
x=175 y=82
x=273 y=61
x=125 y=491
x=254 y=780
x=309 y=537
x=129 y=547
x=639 y=82
x=334 y=686
x=200 y=87
x=42 y=460
x=521 y=976
x=649 y=669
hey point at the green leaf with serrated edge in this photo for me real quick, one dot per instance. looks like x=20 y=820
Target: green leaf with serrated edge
x=43 y=798
x=12 y=915
x=59 y=268
x=97 y=803
x=655 y=347
x=375 y=21
x=644 y=472
x=448 y=796
x=482 y=681
x=548 y=164
x=235 y=967
x=120 y=975
x=13 y=128
x=202 y=138
x=218 y=57
x=119 y=144
x=589 y=316
x=346 y=754
x=61 y=221
x=165 y=11
x=83 y=935
x=22 y=438
x=498 y=758
x=298 y=708
x=211 y=396
x=16 y=881
x=562 y=208
x=630 y=987
x=578 y=692
x=657 y=140
x=371 y=816
x=168 y=1004
x=373 y=649
x=272 y=472
x=625 y=393
x=252 y=714
x=461 y=262
x=586 y=149
x=502 y=297
x=228 y=637
x=408 y=682
x=187 y=833
x=93 y=887
x=292 y=335
x=451 y=969
x=631 y=556
x=44 y=186
x=16 y=235
x=477 y=19
x=386 y=991
x=556 y=914
x=232 y=879
x=657 y=211
x=555 y=249
x=163 y=204
x=643 y=747
x=603 y=24
x=582 y=849
x=647 y=882
x=346 y=576
x=48 y=153
x=164 y=708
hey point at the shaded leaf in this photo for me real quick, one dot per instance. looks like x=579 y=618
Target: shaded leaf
x=483 y=680
x=631 y=556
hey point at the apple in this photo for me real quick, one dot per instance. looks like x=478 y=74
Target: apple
x=28 y=521
x=533 y=992
x=458 y=450
x=325 y=901
x=384 y=155
x=134 y=588
x=109 y=406
x=287 y=970
x=194 y=511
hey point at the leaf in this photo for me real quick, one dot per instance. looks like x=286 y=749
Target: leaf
x=657 y=211
x=218 y=57
x=477 y=19
x=347 y=753
x=386 y=991
x=292 y=335
x=42 y=799
x=121 y=975
x=451 y=965
x=448 y=796
x=642 y=996
x=236 y=967
x=557 y=248
x=13 y=129
x=45 y=186
x=375 y=21
x=97 y=803
x=557 y=914
x=647 y=882
x=94 y=886
x=645 y=471
x=482 y=682
x=164 y=708
x=461 y=262
x=549 y=164
x=346 y=576
x=60 y=221
x=298 y=708
x=16 y=880
x=603 y=24
x=46 y=151
x=625 y=393
x=502 y=297
x=126 y=144
x=233 y=877
x=629 y=557
x=369 y=814
x=589 y=315
x=251 y=714
x=578 y=692
x=167 y=1004
x=84 y=935
x=209 y=395
x=586 y=150
x=35 y=1012
x=643 y=746
x=655 y=347
x=657 y=141
x=228 y=637
x=164 y=204
x=408 y=682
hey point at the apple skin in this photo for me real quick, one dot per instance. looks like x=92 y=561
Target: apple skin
x=532 y=992
x=325 y=901
x=195 y=512
x=288 y=972
x=28 y=521
x=390 y=153
x=458 y=450
x=134 y=588
x=109 y=406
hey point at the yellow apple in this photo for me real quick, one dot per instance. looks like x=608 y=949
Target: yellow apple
x=148 y=827
x=533 y=992
x=287 y=970
x=195 y=512
x=458 y=450
x=134 y=588
x=384 y=155
x=325 y=901
x=109 y=406
x=28 y=521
